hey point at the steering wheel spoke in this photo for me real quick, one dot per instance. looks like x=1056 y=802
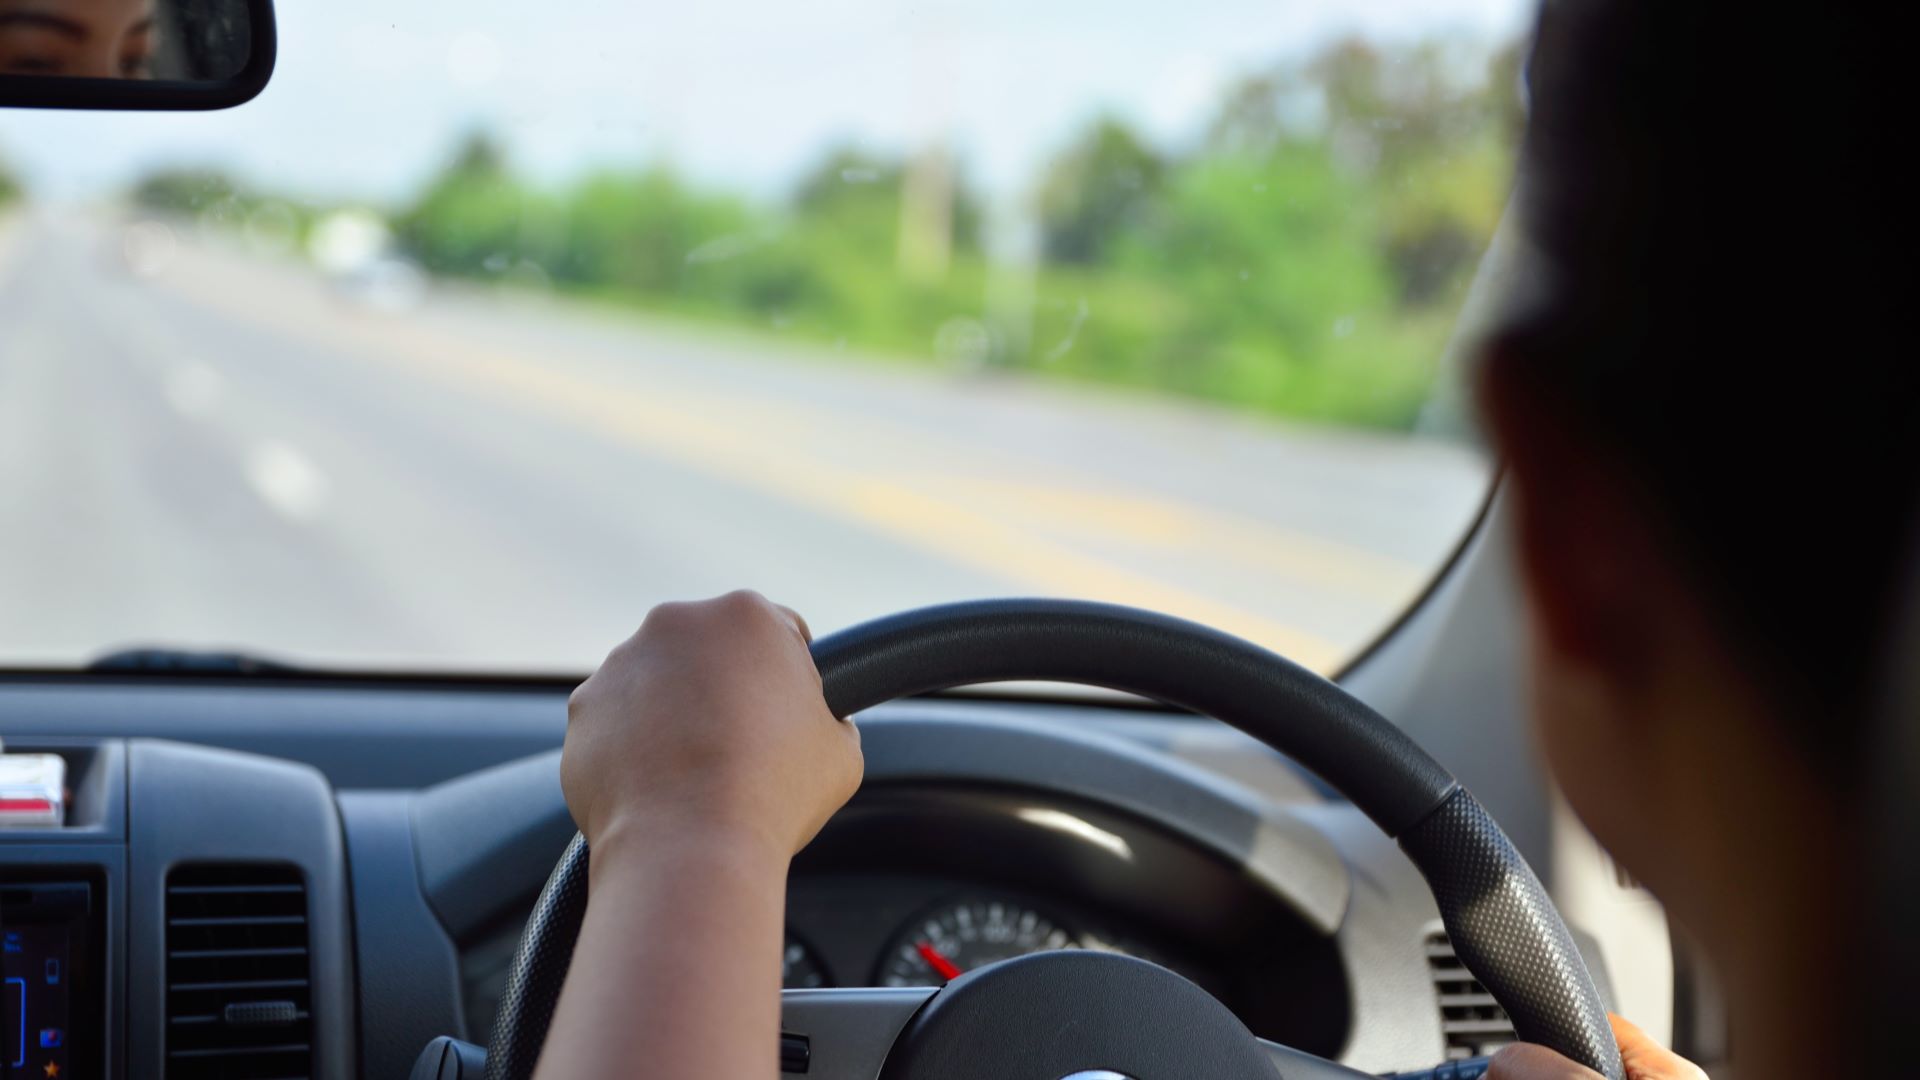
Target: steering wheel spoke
x=843 y=1034
x=1291 y=1064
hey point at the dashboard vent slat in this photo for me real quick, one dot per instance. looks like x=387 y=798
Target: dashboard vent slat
x=202 y=954
x=238 y=920
x=216 y=890
x=1469 y=1018
x=238 y=999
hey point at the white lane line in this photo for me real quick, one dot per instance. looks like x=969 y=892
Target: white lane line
x=286 y=480
x=194 y=389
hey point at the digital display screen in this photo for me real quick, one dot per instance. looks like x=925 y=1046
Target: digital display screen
x=44 y=977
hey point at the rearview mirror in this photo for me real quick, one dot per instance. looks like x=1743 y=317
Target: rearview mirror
x=134 y=54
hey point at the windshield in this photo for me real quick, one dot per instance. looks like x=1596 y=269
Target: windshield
x=489 y=325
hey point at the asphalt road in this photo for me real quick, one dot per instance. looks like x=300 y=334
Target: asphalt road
x=228 y=451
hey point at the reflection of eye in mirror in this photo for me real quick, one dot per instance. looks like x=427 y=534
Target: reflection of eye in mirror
x=174 y=40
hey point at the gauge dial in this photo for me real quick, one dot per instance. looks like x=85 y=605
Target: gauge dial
x=800 y=969
x=942 y=944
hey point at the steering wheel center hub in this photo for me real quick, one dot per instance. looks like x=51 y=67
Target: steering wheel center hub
x=1059 y=1015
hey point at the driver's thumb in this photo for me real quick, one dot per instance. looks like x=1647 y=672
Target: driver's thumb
x=1648 y=1060
x=1644 y=1060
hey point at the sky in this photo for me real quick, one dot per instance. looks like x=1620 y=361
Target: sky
x=370 y=96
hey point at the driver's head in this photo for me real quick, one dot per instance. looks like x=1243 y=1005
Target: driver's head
x=1704 y=391
x=103 y=39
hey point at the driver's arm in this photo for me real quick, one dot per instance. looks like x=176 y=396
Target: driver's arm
x=1644 y=1059
x=698 y=760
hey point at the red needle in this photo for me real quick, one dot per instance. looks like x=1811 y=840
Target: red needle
x=939 y=963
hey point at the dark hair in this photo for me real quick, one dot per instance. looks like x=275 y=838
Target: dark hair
x=1711 y=194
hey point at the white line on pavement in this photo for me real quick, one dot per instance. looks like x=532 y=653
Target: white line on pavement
x=289 y=483
x=194 y=389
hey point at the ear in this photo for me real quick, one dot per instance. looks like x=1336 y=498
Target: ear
x=1596 y=582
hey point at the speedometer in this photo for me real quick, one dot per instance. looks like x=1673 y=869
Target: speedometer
x=800 y=968
x=940 y=945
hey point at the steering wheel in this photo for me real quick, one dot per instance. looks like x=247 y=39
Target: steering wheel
x=1063 y=1015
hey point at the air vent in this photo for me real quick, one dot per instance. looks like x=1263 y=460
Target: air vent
x=238 y=1003
x=1472 y=1022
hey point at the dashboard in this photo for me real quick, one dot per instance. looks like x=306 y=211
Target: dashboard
x=912 y=886
x=316 y=878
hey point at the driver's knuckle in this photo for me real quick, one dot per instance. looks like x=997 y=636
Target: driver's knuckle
x=671 y=618
x=743 y=603
x=580 y=700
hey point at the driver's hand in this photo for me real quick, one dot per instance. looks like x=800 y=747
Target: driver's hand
x=708 y=722
x=1644 y=1059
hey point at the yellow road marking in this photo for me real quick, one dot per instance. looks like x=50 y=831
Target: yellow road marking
x=991 y=543
x=1201 y=530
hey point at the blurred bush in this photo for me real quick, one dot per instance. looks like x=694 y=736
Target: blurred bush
x=9 y=187
x=1302 y=256
x=183 y=191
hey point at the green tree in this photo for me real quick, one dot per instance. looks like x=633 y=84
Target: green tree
x=845 y=175
x=9 y=187
x=184 y=191
x=1275 y=261
x=1433 y=144
x=1096 y=190
x=646 y=232
x=1248 y=123
x=475 y=218
x=1301 y=257
x=855 y=195
x=859 y=191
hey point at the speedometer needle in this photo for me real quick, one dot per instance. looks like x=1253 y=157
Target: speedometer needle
x=940 y=964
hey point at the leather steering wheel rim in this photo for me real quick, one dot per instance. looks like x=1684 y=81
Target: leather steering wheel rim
x=1503 y=926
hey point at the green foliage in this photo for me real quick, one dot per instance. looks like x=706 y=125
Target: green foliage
x=855 y=196
x=211 y=197
x=9 y=187
x=1302 y=258
x=649 y=234
x=1096 y=191
x=862 y=192
x=475 y=217
x=184 y=191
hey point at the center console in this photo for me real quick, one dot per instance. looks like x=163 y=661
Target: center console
x=50 y=977
x=62 y=925
x=187 y=918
